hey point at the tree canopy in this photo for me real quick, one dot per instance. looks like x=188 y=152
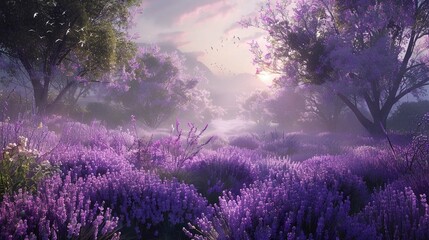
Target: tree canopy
x=369 y=53
x=155 y=85
x=81 y=39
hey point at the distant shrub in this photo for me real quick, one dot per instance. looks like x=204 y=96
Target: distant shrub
x=415 y=156
x=408 y=114
x=284 y=146
x=330 y=143
x=220 y=171
x=245 y=141
x=107 y=113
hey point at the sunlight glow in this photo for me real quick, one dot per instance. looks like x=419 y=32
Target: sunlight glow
x=266 y=77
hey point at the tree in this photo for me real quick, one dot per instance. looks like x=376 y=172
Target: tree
x=322 y=106
x=286 y=107
x=46 y=39
x=200 y=109
x=154 y=85
x=372 y=53
x=254 y=106
x=291 y=108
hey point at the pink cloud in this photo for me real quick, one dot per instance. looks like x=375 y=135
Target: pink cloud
x=177 y=38
x=208 y=11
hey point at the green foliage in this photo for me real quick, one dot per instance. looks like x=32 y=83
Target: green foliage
x=19 y=168
x=81 y=39
x=408 y=115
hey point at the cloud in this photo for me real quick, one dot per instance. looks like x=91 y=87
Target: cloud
x=208 y=11
x=177 y=38
x=169 y=12
x=233 y=27
x=254 y=36
x=196 y=54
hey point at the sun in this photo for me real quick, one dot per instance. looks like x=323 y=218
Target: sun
x=266 y=77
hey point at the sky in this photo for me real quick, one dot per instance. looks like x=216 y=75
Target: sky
x=205 y=29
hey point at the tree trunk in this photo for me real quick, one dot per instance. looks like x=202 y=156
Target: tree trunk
x=40 y=96
x=377 y=126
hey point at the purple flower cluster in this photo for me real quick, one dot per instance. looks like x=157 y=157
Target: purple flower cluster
x=136 y=203
x=144 y=202
x=81 y=161
x=398 y=214
x=376 y=166
x=60 y=210
x=223 y=170
x=95 y=135
x=281 y=208
x=336 y=176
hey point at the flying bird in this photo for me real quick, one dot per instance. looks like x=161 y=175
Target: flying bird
x=68 y=31
x=58 y=40
x=41 y=37
x=35 y=14
x=64 y=12
x=31 y=30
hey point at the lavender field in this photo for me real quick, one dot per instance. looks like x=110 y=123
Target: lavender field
x=214 y=119
x=92 y=182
